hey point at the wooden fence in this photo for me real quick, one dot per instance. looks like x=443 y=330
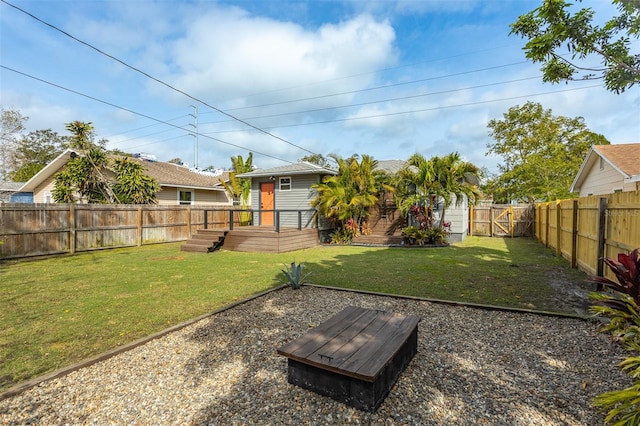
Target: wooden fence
x=46 y=229
x=502 y=220
x=586 y=229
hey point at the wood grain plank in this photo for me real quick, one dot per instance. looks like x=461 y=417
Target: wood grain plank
x=301 y=347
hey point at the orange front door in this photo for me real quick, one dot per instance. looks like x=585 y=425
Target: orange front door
x=267 y=203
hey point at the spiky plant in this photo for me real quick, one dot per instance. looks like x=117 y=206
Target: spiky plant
x=294 y=275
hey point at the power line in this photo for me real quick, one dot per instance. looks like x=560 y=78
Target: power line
x=404 y=83
x=156 y=79
x=339 y=120
x=401 y=98
x=145 y=127
x=136 y=113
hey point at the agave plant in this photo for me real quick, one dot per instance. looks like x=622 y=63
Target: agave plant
x=294 y=275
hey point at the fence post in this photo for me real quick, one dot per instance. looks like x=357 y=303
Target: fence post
x=491 y=221
x=299 y=220
x=471 y=221
x=231 y=220
x=602 y=223
x=277 y=221
x=139 y=242
x=72 y=229
x=546 y=228
x=558 y=229
x=574 y=235
x=206 y=219
x=189 y=222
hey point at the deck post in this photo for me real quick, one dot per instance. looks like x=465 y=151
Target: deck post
x=277 y=220
x=231 y=220
x=299 y=220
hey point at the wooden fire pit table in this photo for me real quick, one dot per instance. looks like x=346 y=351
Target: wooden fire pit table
x=354 y=357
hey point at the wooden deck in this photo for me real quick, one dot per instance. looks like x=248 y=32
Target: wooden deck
x=354 y=357
x=267 y=240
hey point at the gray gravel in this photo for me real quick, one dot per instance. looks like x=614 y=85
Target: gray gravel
x=473 y=367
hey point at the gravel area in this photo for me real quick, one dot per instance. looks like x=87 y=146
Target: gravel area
x=473 y=367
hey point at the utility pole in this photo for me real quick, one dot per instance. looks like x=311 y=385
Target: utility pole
x=195 y=135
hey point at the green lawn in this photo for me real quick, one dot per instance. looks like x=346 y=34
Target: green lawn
x=57 y=311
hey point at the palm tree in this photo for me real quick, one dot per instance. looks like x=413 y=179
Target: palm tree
x=239 y=189
x=350 y=193
x=445 y=178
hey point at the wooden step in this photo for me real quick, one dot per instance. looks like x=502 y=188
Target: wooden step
x=205 y=240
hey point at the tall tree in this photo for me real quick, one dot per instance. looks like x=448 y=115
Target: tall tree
x=11 y=124
x=565 y=43
x=91 y=176
x=541 y=152
x=34 y=151
x=447 y=178
x=237 y=188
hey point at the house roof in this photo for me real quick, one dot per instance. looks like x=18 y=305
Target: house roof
x=624 y=158
x=301 y=168
x=10 y=186
x=167 y=174
x=391 y=166
x=47 y=171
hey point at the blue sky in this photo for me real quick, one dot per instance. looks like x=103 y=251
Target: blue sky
x=383 y=78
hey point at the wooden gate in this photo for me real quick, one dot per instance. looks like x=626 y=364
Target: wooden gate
x=502 y=220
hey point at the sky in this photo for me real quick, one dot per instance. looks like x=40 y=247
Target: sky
x=287 y=79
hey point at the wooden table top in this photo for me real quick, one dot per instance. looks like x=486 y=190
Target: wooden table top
x=356 y=342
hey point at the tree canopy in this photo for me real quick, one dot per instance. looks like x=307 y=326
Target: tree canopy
x=11 y=124
x=34 y=151
x=347 y=195
x=442 y=177
x=317 y=159
x=565 y=43
x=92 y=176
x=542 y=153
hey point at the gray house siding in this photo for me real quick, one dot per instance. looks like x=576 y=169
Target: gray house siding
x=297 y=198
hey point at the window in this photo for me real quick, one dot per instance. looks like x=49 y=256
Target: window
x=285 y=184
x=48 y=198
x=601 y=163
x=185 y=197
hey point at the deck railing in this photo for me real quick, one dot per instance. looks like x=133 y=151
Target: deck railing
x=247 y=217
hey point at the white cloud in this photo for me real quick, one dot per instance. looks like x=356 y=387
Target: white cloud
x=228 y=54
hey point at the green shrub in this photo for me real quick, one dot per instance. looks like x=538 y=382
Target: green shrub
x=437 y=235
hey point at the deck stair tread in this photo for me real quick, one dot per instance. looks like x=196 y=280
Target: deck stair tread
x=205 y=240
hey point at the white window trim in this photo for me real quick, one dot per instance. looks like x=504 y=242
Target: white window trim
x=193 y=196
x=280 y=183
x=47 y=197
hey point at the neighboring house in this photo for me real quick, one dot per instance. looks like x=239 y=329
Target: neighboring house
x=285 y=188
x=9 y=193
x=608 y=169
x=178 y=184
